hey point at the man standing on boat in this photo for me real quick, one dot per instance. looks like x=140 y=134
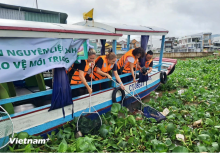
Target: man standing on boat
x=77 y=72
x=104 y=64
x=128 y=61
x=148 y=62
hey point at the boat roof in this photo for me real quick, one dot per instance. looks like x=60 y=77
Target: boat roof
x=20 y=28
x=125 y=29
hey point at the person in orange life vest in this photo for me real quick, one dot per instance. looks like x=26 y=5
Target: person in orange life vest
x=104 y=64
x=79 y=71
x=128 y=61
x=148 y=62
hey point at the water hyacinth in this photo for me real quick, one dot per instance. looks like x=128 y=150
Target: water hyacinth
x=192 y=123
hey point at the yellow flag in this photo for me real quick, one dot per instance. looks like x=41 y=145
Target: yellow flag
x=88 y=15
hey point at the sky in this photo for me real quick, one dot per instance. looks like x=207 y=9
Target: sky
x=179 y=17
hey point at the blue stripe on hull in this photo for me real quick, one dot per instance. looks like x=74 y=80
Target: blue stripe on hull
x=102 y=108
x=141 y=95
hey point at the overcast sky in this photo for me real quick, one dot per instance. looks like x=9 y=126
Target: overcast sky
x=179 y=17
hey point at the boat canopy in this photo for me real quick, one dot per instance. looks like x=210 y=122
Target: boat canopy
x=125 y=29
x=18 y=28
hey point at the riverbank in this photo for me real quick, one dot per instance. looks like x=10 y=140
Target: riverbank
x=176 y=55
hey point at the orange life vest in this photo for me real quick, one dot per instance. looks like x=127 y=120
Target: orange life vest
x=75 y=77
x=122 y=60
x=147 y=63
x=105 y=68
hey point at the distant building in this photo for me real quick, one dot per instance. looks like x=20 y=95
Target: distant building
x=31 y=14
x=123 y=45
x=156 y=50
x=149 y=47
x=118 y=46
x=195 y=43
x=170 y=44
x=216 y=42
x=134 y=44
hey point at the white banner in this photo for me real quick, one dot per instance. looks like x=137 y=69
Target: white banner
x=21 y=58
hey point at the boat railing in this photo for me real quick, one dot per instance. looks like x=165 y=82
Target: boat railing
x=49 y=92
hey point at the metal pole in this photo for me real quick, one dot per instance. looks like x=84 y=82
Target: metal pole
x=161 y=52
x=90 y=98
x=114 y=44
x=52 y=76
x=151 y=42
x=36 y=4
x=128 y=42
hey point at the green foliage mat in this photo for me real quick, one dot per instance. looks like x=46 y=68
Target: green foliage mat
x=125 y=132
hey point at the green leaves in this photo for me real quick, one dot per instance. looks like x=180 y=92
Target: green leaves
x=168 y=142
x=215 y=146
x=153 y=129
x=67 y=130
x=60 y=134
x=122 y=144
x=28 y=148
x=170 y=128
x=202 y=148
x=63 y=146
x=85 y=144
x=209 y=122
x=203 y=137
x=115 y=108
x=132 y=120
x=159 y=146
x=130 y=140
x=117 y=129
x=180 y=149
x=103 y=131
x=162 y=128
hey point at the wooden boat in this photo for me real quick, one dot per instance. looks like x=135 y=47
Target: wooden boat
x=37 y=120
